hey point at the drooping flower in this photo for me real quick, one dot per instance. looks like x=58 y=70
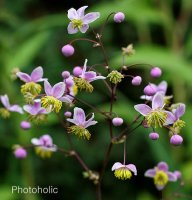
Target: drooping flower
x=31 y=88
x=54 y=96
x=37 y=113
x=81 y=124
x=155 y=116
x=123 y=171
x=44 y=146
x=5 y=112
x=161 y=175
x=80 y=21
x=85 y=78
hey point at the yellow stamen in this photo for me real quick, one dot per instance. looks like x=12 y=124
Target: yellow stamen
x=31 y=87
x=161 y=178
x=83 y=84
x=115 y=77
x=43 y=153
x=50 y=103
x=122 y=173
x=79 y=131
x=77 y=23
x=4 y=113
x=38 y=118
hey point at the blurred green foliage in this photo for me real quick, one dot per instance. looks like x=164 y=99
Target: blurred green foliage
x=32 y=34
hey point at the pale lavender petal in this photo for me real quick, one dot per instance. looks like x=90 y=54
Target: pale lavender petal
x=117 y=165
x=73 y=121
x=35 y=141
x=71 y=29
x=24 y=77
x=79 y=115
x=37 y=104
x=149 y=98
x=142 y=109
x=47 y=88
x=90 y=122
x=172 y=177
x=158 y=101
x=30 y=109
x=90 y=17
x=133 y=168
x=180 y=111
x=162 y=87
x=160 y=187
x=72 y=14
x=16 y=108
x=163 y=166
x=66 y=99
x=43 y=111
x=150 y=173
x=170 y=118
x=5 y=101
x=84 y=68
x=81 y=11
x=37 y=74
x=89 y=75
x=97 y=78
x=84 y=28
x=58 y=90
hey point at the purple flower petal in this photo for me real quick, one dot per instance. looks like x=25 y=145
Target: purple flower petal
x=162 y=87
x=90 y=17
x=58 y=90
x=132 y=168
x=158 y=101
x=66 y=99
x=72 y=14
x=37 y=74
x=79 y=116
x=142 y=109
x=170 y=118
x=84 y=28
x=90 y=122
x=24 y=77
x=30 y=109
x=163 y=166
x=5 y=101
x=180 y=111
x=16 y=108
x=81 y=11
x=117 y=165
x=84 y=68
x=47 y=88
x=172 y=177
x=71 y=29
x=97 y=78
x=89 y=75
x=150 y=173
x=73 y=121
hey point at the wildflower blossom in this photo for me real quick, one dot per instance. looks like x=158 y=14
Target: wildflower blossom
x=80 y=21
x=155 y=116
x=5 y=112
x=85 y=78
x=161 y=175
x=44 y=146
x=80 y=127
x=123 y=171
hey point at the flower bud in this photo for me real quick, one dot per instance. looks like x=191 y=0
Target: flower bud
x=154 y=136
x=177 y=174
x=77 y=71
x=25 y=125
x=68 y=114
x=136 y=80
x=119 y=17
x=69 y=82
x=65 y=74
x=68 y=50
x=117 y=121
x=150 y=90
x=156 y=72
x=20 y=153
x=176 y=140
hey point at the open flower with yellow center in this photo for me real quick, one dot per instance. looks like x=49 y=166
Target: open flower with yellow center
x=54 y=96
x=80 y=21
x=85 y=78
x=124 y=172
x=80 y=127
x=5 y=111
x=161 y=175
x=155 y=116
x=31 y=88
x=44 y=146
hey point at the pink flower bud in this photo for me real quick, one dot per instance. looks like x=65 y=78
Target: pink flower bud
x=150 y=90
x=156 y=72
x=176 y=140
x=25 y=125
x=117 y=121
x=136 y=80
x=77 y=71
x=177 y=174
x=68 y=114
x=68 y=50
x=20 y=153
x=69 y=82
x=154 y=136
x=65 y=74
x=119 y=17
